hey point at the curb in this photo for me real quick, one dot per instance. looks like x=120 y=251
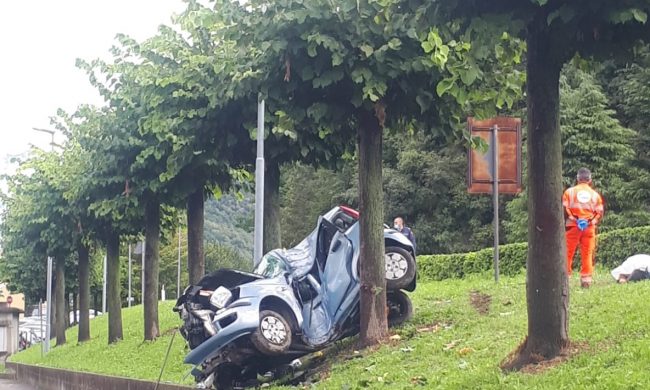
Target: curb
x=47 y=378
x=8 y=374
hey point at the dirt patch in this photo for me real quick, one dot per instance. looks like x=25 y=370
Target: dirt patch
x=530 y=363
x=481 y=302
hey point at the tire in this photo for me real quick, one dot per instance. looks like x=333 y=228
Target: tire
x=225 y=379
x=400 y=268
x=273 y=335
x=400 y=308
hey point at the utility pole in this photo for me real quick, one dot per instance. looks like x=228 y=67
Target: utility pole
x=48 y=293
x=259 y=186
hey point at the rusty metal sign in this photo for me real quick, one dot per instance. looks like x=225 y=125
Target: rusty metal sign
x=508 y=156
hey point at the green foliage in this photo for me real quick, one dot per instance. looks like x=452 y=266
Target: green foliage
x=229 y=223
x=613 y=248
x=37 y=222
x=594 y=138
x=630 y=88
x=306 y=194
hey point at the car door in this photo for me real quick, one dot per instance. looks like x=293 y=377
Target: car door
x=340 y=289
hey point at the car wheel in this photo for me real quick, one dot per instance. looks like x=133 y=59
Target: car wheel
x=273 y=334
x=400 y=308
x=400 y=268
x=225 y=379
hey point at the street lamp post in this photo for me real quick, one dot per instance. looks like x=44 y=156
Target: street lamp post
x=48 y=294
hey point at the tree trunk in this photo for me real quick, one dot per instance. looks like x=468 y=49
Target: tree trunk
x=53 y=308
x=84 y=294
x=272 y=228
x=75 y=309
x=67 y=309
x=152 y=239
x=547 y=289
x=59 y=290
x=374 y=324
x=113 y=300
x=195 y=251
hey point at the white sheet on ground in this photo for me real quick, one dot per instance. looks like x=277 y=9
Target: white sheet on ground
x=640 y=262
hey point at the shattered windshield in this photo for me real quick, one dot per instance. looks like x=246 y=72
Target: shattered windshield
x=271 y=266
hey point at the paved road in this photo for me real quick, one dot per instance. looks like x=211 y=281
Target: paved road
x=6 y=384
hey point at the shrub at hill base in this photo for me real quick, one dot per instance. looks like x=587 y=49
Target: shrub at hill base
x=613 y=248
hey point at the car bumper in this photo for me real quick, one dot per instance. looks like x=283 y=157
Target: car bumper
x=239 y=319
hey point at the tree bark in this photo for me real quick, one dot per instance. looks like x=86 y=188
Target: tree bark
x=195 y=250
x=113 y=300
x=53 y=307
x=272 y=227
x=374 y=324
x=151 y=260
x=547 y=289
x=84 y=293
x=59 y=290
x=75 y=309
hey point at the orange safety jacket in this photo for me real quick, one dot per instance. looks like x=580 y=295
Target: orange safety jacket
x=582 y=202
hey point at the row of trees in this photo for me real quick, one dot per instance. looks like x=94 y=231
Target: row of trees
x=181 y=107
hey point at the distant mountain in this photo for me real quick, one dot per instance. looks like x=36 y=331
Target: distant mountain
x=230 y=222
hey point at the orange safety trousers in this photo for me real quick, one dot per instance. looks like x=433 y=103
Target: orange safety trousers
x=587 y=241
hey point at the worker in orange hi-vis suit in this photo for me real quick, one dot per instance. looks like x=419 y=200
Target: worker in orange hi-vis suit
x=583 y=208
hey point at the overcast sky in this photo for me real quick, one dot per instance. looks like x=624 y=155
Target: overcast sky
x=39 y=42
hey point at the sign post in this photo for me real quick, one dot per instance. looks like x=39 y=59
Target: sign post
x=498 y=170
x=495 y=197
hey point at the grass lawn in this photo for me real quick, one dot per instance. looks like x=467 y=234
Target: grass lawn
x=465 y=349
x=131 y=357
x=448 y=345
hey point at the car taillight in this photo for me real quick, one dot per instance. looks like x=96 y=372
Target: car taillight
x=350 y=211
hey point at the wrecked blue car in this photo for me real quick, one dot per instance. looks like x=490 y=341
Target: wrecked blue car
x=242 y=325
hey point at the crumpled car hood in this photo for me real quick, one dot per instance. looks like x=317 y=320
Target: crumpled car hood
x=227 y=278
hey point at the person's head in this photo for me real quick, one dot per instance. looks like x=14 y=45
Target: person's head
x=584 y=175
x=398 y=223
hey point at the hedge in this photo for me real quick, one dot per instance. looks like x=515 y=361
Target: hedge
x=613 y=248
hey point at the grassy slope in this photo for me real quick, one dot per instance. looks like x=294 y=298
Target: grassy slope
x=613 y=319
x=130 y=358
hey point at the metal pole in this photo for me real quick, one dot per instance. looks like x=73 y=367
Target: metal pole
x=48 y=320
x=495 y=197
x=129 y=298
x=259 y=185
x=40 y=316
x=178 y=271
x=104 y=288
x=142 y=277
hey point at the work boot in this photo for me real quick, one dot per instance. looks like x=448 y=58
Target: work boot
x=585 y=281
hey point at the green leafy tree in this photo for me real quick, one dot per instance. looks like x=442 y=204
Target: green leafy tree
x=344 y=71
x=37 y=223
x=591 y=137
x=630 y=90
x=555 y=32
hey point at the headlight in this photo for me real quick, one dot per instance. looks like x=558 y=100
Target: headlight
x=221 y=297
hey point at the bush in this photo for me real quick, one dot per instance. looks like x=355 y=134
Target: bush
x=613 y=248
